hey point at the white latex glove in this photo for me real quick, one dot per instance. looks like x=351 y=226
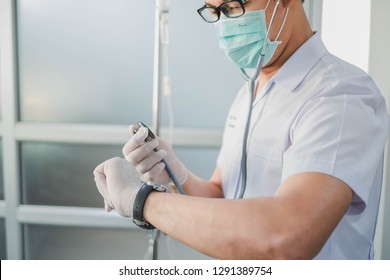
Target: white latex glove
x=118 y=182
x=147 y=161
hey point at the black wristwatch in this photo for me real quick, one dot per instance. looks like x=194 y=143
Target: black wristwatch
x=139 y=203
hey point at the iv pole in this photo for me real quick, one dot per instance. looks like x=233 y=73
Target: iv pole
x=160 y=39
x=162 y=8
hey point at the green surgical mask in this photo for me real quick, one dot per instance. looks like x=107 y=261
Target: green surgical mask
x=243 y=38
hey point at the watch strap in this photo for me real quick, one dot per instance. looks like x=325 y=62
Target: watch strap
x=139 y=203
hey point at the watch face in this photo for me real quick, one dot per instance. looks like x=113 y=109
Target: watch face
x=159 y=188
x=143 y=224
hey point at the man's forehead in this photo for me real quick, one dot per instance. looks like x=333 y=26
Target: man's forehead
x=219 y=2
x=215 y=2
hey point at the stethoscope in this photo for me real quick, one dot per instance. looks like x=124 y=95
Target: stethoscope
x=251 y=85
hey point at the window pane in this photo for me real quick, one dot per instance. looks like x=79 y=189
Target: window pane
x=61 y=174
x=170 y=249
x=1 y=107
x=200 y=161
x=1 y=172
x=204 y=82
x=71 y=243
x=98 y=59
x=85 y=61
x=3 y=254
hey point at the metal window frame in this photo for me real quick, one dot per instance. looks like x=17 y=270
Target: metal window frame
x=8 y=78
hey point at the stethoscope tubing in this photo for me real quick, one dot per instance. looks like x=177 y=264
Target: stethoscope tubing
x=251 y=84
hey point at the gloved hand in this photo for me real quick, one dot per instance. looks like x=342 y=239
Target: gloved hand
x=118 y=182
x=147 y=161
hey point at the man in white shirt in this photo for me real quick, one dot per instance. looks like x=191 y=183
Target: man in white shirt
x=314 y=159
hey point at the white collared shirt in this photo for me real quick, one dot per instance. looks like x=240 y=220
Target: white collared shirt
x=317 y=114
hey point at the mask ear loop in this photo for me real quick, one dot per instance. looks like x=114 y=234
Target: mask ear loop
x=282 y=26
x=271 y=23
x=266 y=6
x=262 y=54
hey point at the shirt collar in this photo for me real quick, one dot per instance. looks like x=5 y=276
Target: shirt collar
x=300 y=63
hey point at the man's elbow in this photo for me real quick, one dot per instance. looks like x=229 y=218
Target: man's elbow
x=288 y=247
x=277 y=246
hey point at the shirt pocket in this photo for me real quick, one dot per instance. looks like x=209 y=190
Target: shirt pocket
x=265 y=152
x=265 y=165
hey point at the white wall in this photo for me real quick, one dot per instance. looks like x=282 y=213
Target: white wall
x=346 y=30
x=378 y=68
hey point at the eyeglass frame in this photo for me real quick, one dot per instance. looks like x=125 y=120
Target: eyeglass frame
x=218 y=10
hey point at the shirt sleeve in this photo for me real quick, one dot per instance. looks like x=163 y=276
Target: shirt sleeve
x=342 y=135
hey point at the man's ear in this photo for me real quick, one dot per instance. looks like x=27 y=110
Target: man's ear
x=289 y=3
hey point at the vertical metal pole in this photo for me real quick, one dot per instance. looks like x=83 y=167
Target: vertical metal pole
x=161 y=7
x=8 y=77
x=157 y=71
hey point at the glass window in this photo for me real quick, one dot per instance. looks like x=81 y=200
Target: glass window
x=85 y=61
x=71 y=243
x=98 y=55
x=62 y=174
x=1 y=107
x=204 y=82
x=3 y=254
x=170 y=249
x=1 y=172
x=201 y=161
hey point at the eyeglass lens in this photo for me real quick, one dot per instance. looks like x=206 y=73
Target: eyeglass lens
x=230 y=9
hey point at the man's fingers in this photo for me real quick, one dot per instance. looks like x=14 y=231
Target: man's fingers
x=137 y=140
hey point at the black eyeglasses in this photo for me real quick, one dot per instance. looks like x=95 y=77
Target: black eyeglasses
x=231 y=9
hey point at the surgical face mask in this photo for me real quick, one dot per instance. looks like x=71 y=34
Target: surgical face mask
x=243 y=38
